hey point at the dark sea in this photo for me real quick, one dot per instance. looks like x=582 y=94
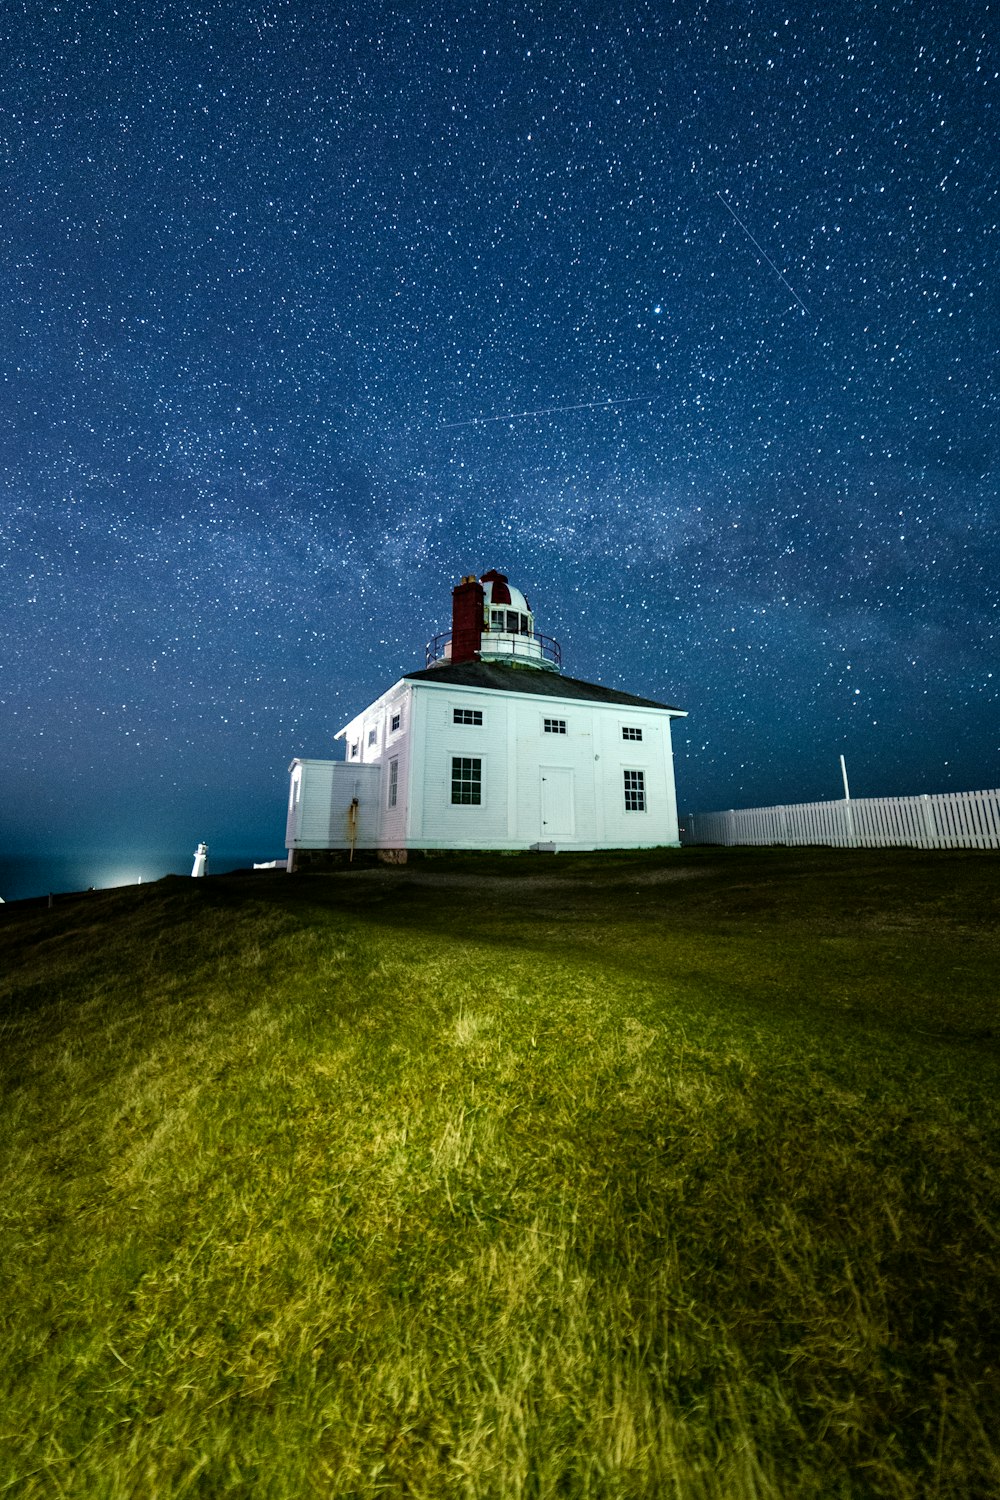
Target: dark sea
x=38 y=875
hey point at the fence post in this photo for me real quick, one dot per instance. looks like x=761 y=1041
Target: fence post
x=852 y=841
x=930 y=831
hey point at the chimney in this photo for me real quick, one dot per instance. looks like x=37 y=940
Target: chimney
x=467 y=619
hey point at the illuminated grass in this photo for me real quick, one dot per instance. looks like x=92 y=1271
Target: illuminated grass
x=672 y=1174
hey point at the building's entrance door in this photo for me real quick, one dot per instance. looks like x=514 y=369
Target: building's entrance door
x=557 y=803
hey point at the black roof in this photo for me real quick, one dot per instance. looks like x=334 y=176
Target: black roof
x=534 y=681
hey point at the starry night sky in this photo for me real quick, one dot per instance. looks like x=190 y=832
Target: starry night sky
x=683 y=315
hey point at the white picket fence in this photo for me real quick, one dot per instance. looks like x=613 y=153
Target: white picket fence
x=951 y=820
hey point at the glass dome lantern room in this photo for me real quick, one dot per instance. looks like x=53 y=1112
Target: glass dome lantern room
x=507 y=633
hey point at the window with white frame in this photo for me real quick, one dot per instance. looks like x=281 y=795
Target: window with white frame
x=355 y=747
x=393 y=783
x=467 y=715
x=373 y=736
x=395 y=721
x=466 y=780
x=631 y=733
x=635 y=791
x=554 y=726
x=510 y=621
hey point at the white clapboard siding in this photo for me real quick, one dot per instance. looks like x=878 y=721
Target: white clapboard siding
x=950 y=820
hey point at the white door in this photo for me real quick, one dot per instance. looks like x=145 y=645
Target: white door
x=557 y=803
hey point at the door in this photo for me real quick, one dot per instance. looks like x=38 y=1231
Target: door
x=557 y=803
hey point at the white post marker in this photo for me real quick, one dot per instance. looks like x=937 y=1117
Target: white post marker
x=200 y=861
x=848 y=814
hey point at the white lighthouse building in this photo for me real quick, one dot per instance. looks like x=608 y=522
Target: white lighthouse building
x=489 y=746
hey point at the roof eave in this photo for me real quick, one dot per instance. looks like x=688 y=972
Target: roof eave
x=429 y=677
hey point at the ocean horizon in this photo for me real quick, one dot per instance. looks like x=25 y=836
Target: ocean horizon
x=25 y=876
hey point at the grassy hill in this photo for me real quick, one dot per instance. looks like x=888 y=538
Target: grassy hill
x=671 y=1174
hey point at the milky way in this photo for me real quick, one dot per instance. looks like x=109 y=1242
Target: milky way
x=310 y=311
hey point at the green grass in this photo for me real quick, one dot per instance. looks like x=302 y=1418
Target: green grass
x=672 y=1174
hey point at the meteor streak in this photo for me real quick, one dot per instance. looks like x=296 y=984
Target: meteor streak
x=547 y=411
x=764 y=253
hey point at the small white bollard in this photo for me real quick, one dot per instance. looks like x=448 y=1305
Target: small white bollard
x=200 y=861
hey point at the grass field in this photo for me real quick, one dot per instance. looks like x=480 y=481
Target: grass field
x=671 y=1174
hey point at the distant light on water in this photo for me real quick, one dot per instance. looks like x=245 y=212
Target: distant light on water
x=112 y=880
